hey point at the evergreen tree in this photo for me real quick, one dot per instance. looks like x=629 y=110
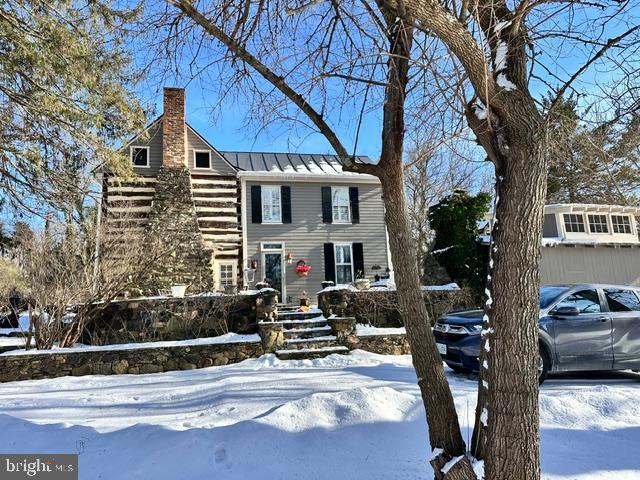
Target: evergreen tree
x=455 y=223
x=65 y=92
x=593 y=164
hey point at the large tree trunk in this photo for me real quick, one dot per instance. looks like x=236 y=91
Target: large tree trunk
x=507 y=421
x=444 y=429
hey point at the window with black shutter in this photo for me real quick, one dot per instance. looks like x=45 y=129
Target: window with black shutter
x=354 y=201
x=358 y=259
x=327 y=211
x=329 y=263
x=256 y=204
x=285 y=196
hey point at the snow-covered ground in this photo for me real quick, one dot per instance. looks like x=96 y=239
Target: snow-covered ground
x=342 y=417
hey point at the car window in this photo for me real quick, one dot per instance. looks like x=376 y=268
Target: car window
x=549 y=294
x=622 y=300
x=586 y=301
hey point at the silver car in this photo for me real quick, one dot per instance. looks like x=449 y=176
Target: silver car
x=582 y=327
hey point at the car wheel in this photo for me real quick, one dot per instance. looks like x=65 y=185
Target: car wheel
x=544 y=364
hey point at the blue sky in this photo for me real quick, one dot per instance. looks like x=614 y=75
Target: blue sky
x=227 y=130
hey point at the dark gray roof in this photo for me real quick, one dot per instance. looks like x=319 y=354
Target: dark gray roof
x=305 y=163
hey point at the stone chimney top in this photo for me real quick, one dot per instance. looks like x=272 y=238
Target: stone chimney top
x=174 y=130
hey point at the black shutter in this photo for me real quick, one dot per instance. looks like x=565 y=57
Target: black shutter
x=355 y=204
x=358 y=259
x=329 y=263
x=285 y=198
x=256 y=204
x=327 y=210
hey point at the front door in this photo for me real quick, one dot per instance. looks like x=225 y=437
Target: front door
x=583 y=341
x=273 y=270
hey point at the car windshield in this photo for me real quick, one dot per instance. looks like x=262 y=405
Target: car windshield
x=549 y=294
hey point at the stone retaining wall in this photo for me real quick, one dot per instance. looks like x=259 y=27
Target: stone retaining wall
x=165 y=359
x=138 y=360
x=383 y=344
x=380 y=307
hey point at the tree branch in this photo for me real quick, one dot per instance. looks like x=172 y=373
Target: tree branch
x=610 y=44
x=277 y=81
x=434 y=18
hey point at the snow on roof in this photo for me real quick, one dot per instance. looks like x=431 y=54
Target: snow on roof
x=290 y=163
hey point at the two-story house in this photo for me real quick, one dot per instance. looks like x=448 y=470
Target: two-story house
x=237 y=218
x=587 y=243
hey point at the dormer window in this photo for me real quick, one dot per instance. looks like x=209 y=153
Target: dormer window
x=202 y=159
x=573 y=223
x=598 y=224
x=621 y=224
x=140 y=156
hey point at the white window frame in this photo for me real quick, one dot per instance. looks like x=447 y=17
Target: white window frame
x=195 y=167
x=584 y=223
x=234 y=269
x=335 y=257
x=623 y=225
x=262 y=198
x=334 y=206
x=145 y=147
x=606 y=223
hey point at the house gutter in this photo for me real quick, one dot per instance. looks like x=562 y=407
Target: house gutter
x=319 y=177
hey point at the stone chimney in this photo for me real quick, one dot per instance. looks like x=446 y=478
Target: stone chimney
x=173 y=221
x=174 y=130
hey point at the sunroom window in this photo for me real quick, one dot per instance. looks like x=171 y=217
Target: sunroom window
x=621 y=223
x=573 y=223
x=598 y=224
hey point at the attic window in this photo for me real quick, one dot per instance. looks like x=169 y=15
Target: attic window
x=140 y=156
x=202 y=159
x=621 y=223
x=598 y=224
x=573 y=223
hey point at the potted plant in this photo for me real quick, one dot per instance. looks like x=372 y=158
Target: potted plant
x=362 y=283
x=178 y=291
x=302 y=269
x=179 y=288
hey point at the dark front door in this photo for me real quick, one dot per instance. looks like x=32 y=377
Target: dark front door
x=583 y=341
x=273 y=270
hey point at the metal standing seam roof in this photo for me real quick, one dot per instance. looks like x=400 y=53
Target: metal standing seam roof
x=303 y=163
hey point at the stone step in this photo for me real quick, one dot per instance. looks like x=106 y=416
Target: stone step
x=286 y=315
x=310 y=343
x=309 y=323
x=297 y=354
x=318 y=331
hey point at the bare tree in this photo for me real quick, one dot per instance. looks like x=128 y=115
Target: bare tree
x=364 y=50
x=66 y=287
x=431 y=174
